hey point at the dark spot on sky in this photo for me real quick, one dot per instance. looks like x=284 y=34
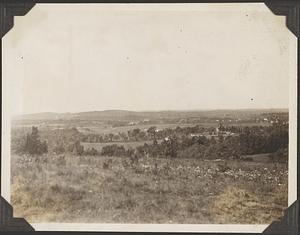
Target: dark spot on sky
x=21 y=57
x=252 y=99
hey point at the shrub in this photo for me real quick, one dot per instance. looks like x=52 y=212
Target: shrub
x=33 y=144
x=78 y=148
x=91 y=151
x=113 y=150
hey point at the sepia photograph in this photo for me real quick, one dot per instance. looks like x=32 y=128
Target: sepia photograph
x=149 y=114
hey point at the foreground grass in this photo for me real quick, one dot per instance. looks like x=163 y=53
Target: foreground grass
x=70 y=188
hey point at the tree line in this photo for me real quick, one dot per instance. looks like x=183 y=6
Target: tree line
x=173 y=142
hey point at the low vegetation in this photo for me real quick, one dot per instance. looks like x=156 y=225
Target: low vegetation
x=150 y=190
x=182 y=173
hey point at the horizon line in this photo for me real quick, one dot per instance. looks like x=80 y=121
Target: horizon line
x=161 y=110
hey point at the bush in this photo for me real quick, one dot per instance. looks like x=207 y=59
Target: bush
x=59 y=148
x=91 y=151
x=78 y=148
x=33 y=144
x=113 y=150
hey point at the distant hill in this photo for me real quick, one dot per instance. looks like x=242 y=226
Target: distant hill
x=134 y=115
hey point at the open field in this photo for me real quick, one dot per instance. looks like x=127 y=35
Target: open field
x=127 y=145
x=105 y=129
x=153 y=190
x=102 y=128
x=115 y=121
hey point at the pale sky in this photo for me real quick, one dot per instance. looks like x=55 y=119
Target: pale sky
x=72 y=58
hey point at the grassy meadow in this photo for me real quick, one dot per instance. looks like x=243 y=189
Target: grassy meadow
x=101 y=189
